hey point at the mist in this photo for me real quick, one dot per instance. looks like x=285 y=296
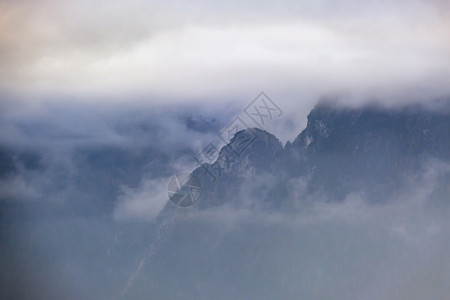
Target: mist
x=68 y=237
x=343 y=195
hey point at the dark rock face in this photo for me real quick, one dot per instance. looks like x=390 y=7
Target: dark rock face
x=250 y=153
x=368 y=150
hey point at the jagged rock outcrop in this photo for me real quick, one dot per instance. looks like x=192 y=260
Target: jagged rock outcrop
x=368 y=150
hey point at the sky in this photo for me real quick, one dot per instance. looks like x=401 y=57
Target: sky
x=98 y=74
x=203 y=51
x=80 y=74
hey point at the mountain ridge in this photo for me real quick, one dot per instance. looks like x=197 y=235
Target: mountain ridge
x=342 y=150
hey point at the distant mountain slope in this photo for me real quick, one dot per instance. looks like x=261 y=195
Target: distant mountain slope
x=305 y=220
x=367 y=150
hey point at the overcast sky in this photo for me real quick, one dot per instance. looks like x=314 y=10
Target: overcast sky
x=160 y=51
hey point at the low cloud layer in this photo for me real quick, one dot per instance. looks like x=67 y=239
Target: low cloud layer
x=105 y=169
x=143 y=203
x=397 y=250
x=78 y=154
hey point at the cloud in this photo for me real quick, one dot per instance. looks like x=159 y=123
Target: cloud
x=415 y=209
x=19 y=187
x=79 y=154
x=217 y=54
x=325 y=249
x=177 y=52
x=142 y=203
x=396 y=250
x=101 y=94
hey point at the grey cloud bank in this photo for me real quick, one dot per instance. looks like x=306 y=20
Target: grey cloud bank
x=211 y=51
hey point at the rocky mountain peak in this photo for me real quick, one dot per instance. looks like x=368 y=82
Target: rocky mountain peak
x=341 y=150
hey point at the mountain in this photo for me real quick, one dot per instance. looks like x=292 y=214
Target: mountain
x=373 y=151
x=280 y=221
x=274 y=221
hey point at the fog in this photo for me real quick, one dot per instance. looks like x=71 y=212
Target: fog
x=340 y=250
x=101 y=103
x=85 y=187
